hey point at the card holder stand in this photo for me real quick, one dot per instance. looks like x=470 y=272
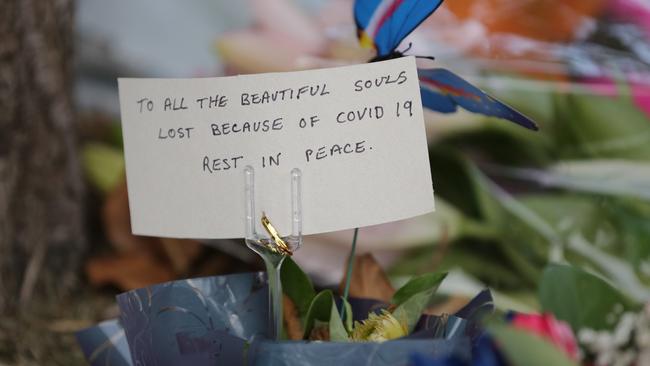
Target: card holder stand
x=265 y=245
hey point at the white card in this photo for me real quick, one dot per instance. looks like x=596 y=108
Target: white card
x=355 y=132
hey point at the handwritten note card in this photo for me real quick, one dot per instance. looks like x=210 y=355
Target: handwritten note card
x=355 y=132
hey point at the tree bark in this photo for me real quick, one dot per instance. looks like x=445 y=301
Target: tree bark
x=41 y=189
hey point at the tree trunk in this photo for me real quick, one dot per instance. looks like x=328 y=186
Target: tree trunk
x=41 y=189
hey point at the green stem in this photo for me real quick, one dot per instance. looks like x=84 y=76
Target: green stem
x=529 y=271
x=479 y=230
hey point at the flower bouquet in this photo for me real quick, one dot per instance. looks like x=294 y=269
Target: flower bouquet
x=224 y=320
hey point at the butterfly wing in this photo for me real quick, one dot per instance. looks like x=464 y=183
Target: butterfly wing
x=383 y=24
x=443 y=91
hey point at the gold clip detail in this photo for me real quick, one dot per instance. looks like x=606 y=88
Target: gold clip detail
x=281 y=245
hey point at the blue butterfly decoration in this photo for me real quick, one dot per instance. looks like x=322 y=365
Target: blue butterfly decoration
x=383 y=24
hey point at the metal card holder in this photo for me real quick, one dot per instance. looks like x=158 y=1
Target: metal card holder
x=270 y=247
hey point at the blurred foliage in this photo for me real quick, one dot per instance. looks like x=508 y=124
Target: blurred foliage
x=581 y=299
x=589 y=126
x=577 y=192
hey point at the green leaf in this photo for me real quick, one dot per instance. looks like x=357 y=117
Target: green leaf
x=103 y=164
x=566 y=213
x=411 y=310
x=631 y=219
x=597 y=234
x=414 y=297
x=297 y=285
x=523 y=348
x=338 y=332
x=580 y=298
x=323 y=309
x=505 y=222
x=418 y=284
x=590 y=126
x=319 y=309
x=616 y=270
x=348 y=317
x=514 y=221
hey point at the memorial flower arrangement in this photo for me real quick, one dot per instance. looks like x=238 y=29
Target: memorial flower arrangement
x=575 y=194
x=224 y=320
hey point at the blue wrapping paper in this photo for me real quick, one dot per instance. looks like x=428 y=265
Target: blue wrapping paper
x=105 y=344
x=466 y=321
x=484 y=353
x=397 y=352
x=196 y=321
x=223 y=320
x=439 y=327
x=481 y=306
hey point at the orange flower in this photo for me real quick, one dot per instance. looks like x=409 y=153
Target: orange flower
x=546 y=20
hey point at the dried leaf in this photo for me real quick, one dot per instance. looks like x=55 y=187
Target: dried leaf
x=321 y=332
x=369 y=280
x=181 y=253
x=117 y=222
x=292 y=322
x=128 y=271
x=212 y=264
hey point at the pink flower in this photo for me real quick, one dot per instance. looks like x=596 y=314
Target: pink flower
x=546 y=326
x=635 y=11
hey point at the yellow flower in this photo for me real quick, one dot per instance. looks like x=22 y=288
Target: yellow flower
x=378 y=328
